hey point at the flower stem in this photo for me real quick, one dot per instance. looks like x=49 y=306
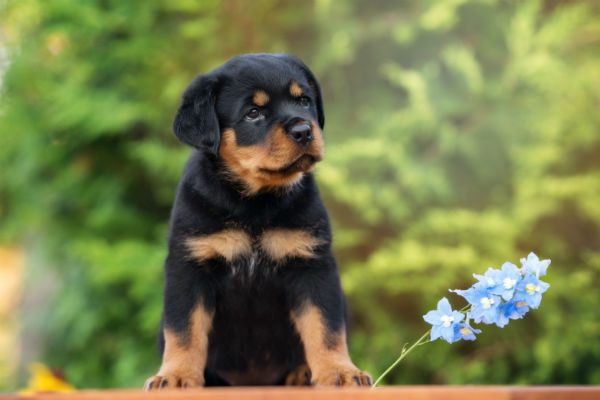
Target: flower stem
x=465 y=310
x=402 y=355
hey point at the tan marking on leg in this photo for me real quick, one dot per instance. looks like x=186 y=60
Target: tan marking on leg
x=184 y=357
x=326 y=352
x=260 y=98
x=283 y=243
x=295 y=89
x=229 y=243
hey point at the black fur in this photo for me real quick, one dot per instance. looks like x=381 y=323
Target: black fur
x=252 y=334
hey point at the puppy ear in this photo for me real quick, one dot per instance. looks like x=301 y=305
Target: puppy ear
x=312 y=81
x=196 y=123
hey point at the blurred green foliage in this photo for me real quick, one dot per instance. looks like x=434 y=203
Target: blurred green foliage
x=460 y=134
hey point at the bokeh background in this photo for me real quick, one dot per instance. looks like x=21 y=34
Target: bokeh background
x=459 y=134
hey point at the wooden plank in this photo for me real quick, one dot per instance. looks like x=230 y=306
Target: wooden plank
x=386 y=393
x=556 y=393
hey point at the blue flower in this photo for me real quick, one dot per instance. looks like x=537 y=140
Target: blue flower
x=507 y=280
x=529 y=291
x=490 y=278
x=499 y=296
x=532 y=264
x=444 y=320
x=464 y=331
x=511 y=310
x=484 y=304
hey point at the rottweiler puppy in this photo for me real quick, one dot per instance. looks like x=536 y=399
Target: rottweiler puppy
x=252 y=292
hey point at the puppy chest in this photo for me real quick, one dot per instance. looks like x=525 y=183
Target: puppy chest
x=242 y=252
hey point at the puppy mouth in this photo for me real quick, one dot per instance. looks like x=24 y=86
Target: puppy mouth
x=302 y=163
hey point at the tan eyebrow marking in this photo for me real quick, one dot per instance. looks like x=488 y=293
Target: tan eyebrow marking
x=282 y=243
x=260 y=98
x=295 y=89
x=229 y=243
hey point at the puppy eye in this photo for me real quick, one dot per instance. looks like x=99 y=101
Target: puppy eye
x=304 y=101
x=253 y=115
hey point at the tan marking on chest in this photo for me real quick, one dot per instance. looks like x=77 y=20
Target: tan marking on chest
x=283 y=243
x=229 y=244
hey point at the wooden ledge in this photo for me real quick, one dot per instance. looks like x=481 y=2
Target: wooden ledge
x=386 y=393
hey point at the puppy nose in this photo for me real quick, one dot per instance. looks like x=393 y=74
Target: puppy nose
x=301 y=133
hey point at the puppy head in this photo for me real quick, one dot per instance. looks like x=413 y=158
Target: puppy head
x=261 y=115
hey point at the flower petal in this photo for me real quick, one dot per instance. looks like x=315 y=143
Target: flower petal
x=444 y=306
x=543 y=286
x=532 y=258
x=433 y=317
x=436 y=332
x=543 y=266
x=458 y=316
x=448 y=334
x=510 y=267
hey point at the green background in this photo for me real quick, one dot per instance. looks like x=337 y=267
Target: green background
x=460 y=134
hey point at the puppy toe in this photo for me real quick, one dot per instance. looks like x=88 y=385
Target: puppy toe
x=300 y=376
x=343 y=376
x=158 y=382
x=152 y=383
x=188 y=383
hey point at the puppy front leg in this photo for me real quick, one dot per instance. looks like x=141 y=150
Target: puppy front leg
x=187 y=321
x=184 y=356
x=319 y=318
x=326 y=351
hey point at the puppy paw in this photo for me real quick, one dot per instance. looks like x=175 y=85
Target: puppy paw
x=343 y=376
x=172 y=381
x=300 y=376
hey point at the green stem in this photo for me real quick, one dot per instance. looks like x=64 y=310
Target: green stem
x=419 y=342
x=465 y=308
x=402 y=355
